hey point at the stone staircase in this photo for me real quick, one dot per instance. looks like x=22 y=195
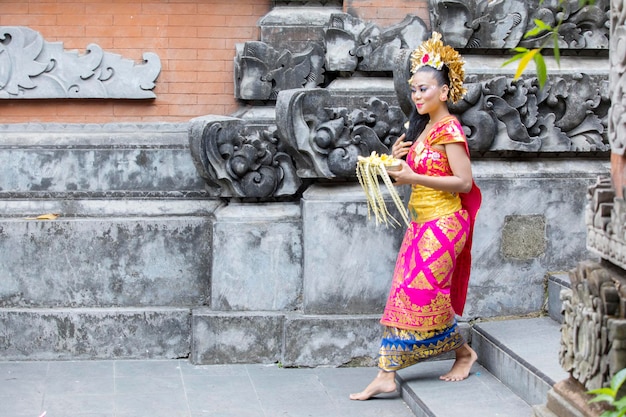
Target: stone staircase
x=517 y=365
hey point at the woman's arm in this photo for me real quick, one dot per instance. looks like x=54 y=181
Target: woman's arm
x=459 y=182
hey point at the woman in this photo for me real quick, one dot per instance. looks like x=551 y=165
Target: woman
x=432 y=270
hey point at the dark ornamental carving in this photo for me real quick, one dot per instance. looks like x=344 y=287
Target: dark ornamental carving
x=502 y=114
x=489 y=24
x=238 y=163
x=329 y=140
x=262 y=71
x=352 y=44
x=31 y=68
x=593 y=334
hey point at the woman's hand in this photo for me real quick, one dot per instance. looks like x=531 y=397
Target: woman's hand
x=404 y=175
x=400 y=148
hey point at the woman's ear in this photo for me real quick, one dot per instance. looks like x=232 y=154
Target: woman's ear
x=444 y=93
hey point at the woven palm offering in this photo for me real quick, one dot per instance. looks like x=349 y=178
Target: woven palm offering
x=368 y=170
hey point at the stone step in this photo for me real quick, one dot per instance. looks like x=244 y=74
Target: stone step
x=101 y=253
x=94 y=333
x=522 y=353
x=481 y=395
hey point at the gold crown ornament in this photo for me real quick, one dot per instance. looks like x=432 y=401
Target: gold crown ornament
x=435 y=54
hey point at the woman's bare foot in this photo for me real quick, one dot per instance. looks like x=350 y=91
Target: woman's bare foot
x=465 y=358
x=385 y=382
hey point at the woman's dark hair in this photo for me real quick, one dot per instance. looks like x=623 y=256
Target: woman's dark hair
x=417 y=122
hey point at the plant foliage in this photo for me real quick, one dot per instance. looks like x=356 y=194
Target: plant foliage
x=525 y=55
x=609 y=395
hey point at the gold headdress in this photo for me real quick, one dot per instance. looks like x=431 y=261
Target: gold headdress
x=435 y=54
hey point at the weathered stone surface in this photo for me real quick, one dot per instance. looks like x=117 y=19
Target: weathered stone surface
x=352 y=44
x=552 y=189
x=134 y=159
x=501 y=25
x=524 y=236
x=257 y=257
x=331 y=340
x=348 y=260
x=500 y=114
x=97 y=262
x=71 y=334
x=31 y=68
x=222 y=338
x=262 y=71
x=295 y=28
x=237 y=162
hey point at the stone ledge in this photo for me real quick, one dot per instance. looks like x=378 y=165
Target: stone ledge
x=78 y=334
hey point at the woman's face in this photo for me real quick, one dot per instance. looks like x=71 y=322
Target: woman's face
x=426 y=93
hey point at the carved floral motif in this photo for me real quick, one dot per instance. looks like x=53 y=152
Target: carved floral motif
x=262 y=71
x=33 y=68
x=330 y=139
x=490 y=24
x=502 y=114
x=238 y=163
x=352 y=44
x=593 y=333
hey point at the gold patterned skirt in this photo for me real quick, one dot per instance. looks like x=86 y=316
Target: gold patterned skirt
x=401 y=348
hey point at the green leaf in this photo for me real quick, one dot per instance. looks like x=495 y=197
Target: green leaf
x=618 y=379
x=604 y=391
x=513 y=59
x=542 y=73
x=542 y=25
x=602 y=398
x=620 y=404
x=533 y=32
x=524 y=62
x=520 y=49
x=557 y=52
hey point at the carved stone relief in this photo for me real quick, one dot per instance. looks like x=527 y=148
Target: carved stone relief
x=593 y=334
x=352 y=44
x=617 y=77
x=330 y=139
x=262 y=71
x=503 y=114
x=490 y=24
x=310 y=140
x=31 y=68
x=235 y=162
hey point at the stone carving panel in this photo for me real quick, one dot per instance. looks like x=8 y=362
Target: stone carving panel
x=262 y=71
x=617 y=77
x=31 y=68
x=490 y=24
x=352 y=44
x=235 y=162
x=329 y=139
x=310 y=140
x=593 y=334
x=500 y=114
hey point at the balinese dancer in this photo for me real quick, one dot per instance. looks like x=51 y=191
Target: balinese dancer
x=430 y=280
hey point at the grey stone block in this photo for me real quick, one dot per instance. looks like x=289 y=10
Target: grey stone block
x=70 y=334
x=556 y=283
x=257 y=257
x=95 y=262
x=348 y=259
x=241 y=337
x=553 y=191
x=331 y=340
x=150 y=159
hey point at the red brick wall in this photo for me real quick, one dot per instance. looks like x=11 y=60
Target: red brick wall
x=195 y=40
